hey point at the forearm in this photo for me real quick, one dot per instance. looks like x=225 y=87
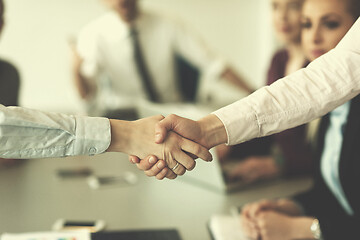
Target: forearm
x=120 y=136
x=233 y=78
x=26 y=133
x=309 y=93
x=294 y=100
x=84 y=86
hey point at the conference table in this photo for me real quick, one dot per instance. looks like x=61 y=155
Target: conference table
x=33 y=197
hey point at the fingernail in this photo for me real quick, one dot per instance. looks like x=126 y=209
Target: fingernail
x=160 y=165
x=152 y=160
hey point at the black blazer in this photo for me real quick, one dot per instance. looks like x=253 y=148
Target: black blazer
x=319 y=201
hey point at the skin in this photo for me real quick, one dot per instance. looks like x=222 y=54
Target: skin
x=208 y=132
x=137 y=138
x=286 y=15
x=324 y=25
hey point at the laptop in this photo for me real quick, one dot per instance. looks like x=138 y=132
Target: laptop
x=208 y=175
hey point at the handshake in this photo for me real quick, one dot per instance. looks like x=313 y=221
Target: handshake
x=167 y=147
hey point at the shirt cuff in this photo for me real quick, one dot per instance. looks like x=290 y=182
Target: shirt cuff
x=93 y=135
x=240 y=122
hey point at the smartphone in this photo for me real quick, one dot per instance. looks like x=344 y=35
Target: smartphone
x=91 y=226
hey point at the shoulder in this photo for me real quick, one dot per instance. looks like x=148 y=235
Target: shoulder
x=159 y=19
x=101 y=24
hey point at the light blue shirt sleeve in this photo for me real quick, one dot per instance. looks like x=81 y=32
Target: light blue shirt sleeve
x=330 y=158
x=26 y=133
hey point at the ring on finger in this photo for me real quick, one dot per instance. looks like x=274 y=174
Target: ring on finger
x=175 y=167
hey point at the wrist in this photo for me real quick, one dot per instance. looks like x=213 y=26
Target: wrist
x=120 y=136
x=300 y=227
x=212 y=130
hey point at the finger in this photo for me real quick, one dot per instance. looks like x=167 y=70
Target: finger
x=147 y=163
x=162 y=174
x=171 y=175
x=156 y=169
x=183 y=159
x=248 y=228
x=196 y=149
x=165 y=125
x=134 y=159
x=178 y=169
x=260 y=206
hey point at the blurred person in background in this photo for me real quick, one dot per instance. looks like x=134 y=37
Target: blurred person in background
x=129 y=54
x=9 y=83
x=331 y=208
x=290 y=152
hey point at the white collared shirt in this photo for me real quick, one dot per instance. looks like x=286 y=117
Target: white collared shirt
x=106 y=47
x=327 y=82
x=26 y=133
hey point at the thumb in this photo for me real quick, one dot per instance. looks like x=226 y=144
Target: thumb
x=164 y=126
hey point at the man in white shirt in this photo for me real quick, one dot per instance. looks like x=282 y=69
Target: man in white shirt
x=106 y=67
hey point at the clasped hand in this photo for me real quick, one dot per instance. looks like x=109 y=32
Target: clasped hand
x=197 y=136
x=174 y=151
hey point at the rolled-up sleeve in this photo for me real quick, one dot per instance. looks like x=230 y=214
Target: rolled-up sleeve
x=26 y=133
x=309 y=93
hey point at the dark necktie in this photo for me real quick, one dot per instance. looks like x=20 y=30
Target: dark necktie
x=141 y=67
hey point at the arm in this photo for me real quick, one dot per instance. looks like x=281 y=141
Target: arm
x=26 y=133
x=196 y=51
x=309 y=93
x=235 y=79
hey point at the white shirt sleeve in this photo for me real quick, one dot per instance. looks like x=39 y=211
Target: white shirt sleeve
x=326 y=83
x=87 y=47
x=26 y=133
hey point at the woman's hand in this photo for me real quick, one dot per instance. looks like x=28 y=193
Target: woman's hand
x=273 y=225
x=153 y=167
x=253 y=213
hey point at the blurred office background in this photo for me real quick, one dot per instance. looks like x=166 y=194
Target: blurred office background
x=36 y=36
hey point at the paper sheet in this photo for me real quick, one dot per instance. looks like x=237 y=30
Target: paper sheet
x=226 y=227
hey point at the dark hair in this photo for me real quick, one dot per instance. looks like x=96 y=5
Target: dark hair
x=354 y=8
